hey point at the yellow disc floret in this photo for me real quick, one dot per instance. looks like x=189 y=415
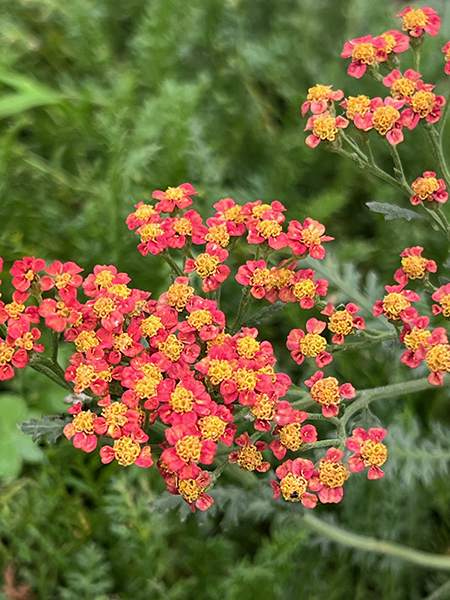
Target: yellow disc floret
x=312 y=344
x=332 y=474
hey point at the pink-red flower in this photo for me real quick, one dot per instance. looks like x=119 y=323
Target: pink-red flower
x=442 y=296
x=25 y=272
x=446 y=51
x=208 y=267
x=179 y=197
x=368 y=451
x=325 y=128
x=327 y=392
x=294 y=476
x=291 y=434
x=416 y=21
x=385 y=117
x=310 y=344
x=256 y=274
x=436 y=353
x=415 y=335
x=308 y=238
x=319 y=98
x=364 y=52
x=330 y=477
x=249 y=457
x=65 y=278
x=429 y=188
x=403 y=87
x=343 y=322
x=396 y=42
x=303 y=289
x=396 y=305
x=414 y=265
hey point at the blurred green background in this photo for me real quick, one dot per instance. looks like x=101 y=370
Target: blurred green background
x=103 y=101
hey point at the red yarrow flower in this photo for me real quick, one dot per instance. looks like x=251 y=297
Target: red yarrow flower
x=208 y=268
x=368 y=451
x=384 y=116
x=396 y=42
x=179 y=229
x=256 y=274
x=364 y=52
x=328 y=393
x=324 y=128
x=429 y=188
x=403 y=87
x=311 y=344
x=25 y=272
x=424 y=104
x=442 y=296
x=59 y=315
x=446 y=51
x=65 y=278
x=414 y=265
x=436 y=353
x=292 y=435
x=81 y=429
x=343 y=322
x=249 y=457
x=179 y=197
x=416 y=21
x=294 y=477
x=319 y=98
x=396 y=305
x=127 y=451
x=330 y=477
x=308 y=238
x=303 y=289
x=414 y=335
x=10 y=355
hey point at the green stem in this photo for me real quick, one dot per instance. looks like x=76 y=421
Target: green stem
x=52 y=370
x=369 y=544
x=442 y=593
x=322 y=444
x=55 y=346
x=435 y=142
x=443 y=119
x=172 y=264
x=358 y=345
x=246 y=299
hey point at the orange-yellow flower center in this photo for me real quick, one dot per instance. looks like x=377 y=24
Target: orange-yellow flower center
x=122 y=341
x=249 y=458
x=63 y=280
x=189 y=490
x=175 y=193
x=390 y=42
x=264 y=408
x=423 y=102
x=364 y=52
x=269 y=228
x=119 y=289
x=26 y=342
x=325 y=128
x=311 y=236
x=394 y=304
x=145 y=212
x=290 y=436
x=403 y=88
x=182 y=226
x=206 y=265
x=293 y=487
x=86 y=340
x=151 y=370
x=305 y=288
x=151 y=325
x=247 y=347
x=318 y=92
x=261 y=277
x=438 y=358
x=425 y=187
x=172 y=347
x=445 y=303
x=103 y=307
x=415 y=337
x=83 y=422
x=258 y=211
x=104 y=279
x=414 y=266
x=6 y=353
x=341 y=322
x=200 y=318
x=245 y=379
x=189 y=448
x=373 y=453
x=178 y=294
x=413 y=19
x=384 y=118
x=447 y=55
x=150 y=232
x=357 y=105
x=281 y=277
x=312 y=344
x=126 y=451
x=218 y=234
x=212 y=428
x=85 y=375
x=115 y=414
x=30 y=275
x=14 y=310
x=181 y=399
x=332 y=474
x=326 y=391
x=147 y=386
x=234 y=214
x=219 y=370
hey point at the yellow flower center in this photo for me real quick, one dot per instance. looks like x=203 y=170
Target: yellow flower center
x=115 y=414
x=267 y=370
x=218 y=341
x=218 y=234
x=425 y=187
x=182 y=226
x=384 y=118
x=26 y=342
x=147 y=386
x=325 y=128
x=14 y=310
x=30 y=275
x=364 y=52
x=83 y=422
x=249 y=458
x=175 y=193
x=86 y=340
x=247 y=347
x=178 y=294
x=373 y=453
x=447 y=55
x=394 y=304
x=290 y=436
x=306 y=288
x=199 y=318
x=189 y=448
x=438 y=358
x=151 y=370
x=122 y=342
x=151 y=325
x=413 y=19
x=181 y=399
x=312 y=344
x=219 y=370
x=264 y=408
x=318 y=92
x=293 y=487
x=445 y=303
x=341 y=322
x=103 y=307
x=416 y=337
x=326 y=391
x=119 y=289
x=104 y=279
x=189 y=490
x=172 y=347
x=258 y=211
x=85 y=375
x=245 y=379
x=145 y=212
x=311 y=236
x=234 y=214
x=212 y=428
x=61 y=281
x=269 y=228
x=390 y=42
x=150 y=232
x=357 y=105
x=261 y=277
x=126 y=451
x=422 y=102
x=414 y=266
x=281 y=277
x=206 y=265
x=402 y=88
x=6 y=353
x=332 y=474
